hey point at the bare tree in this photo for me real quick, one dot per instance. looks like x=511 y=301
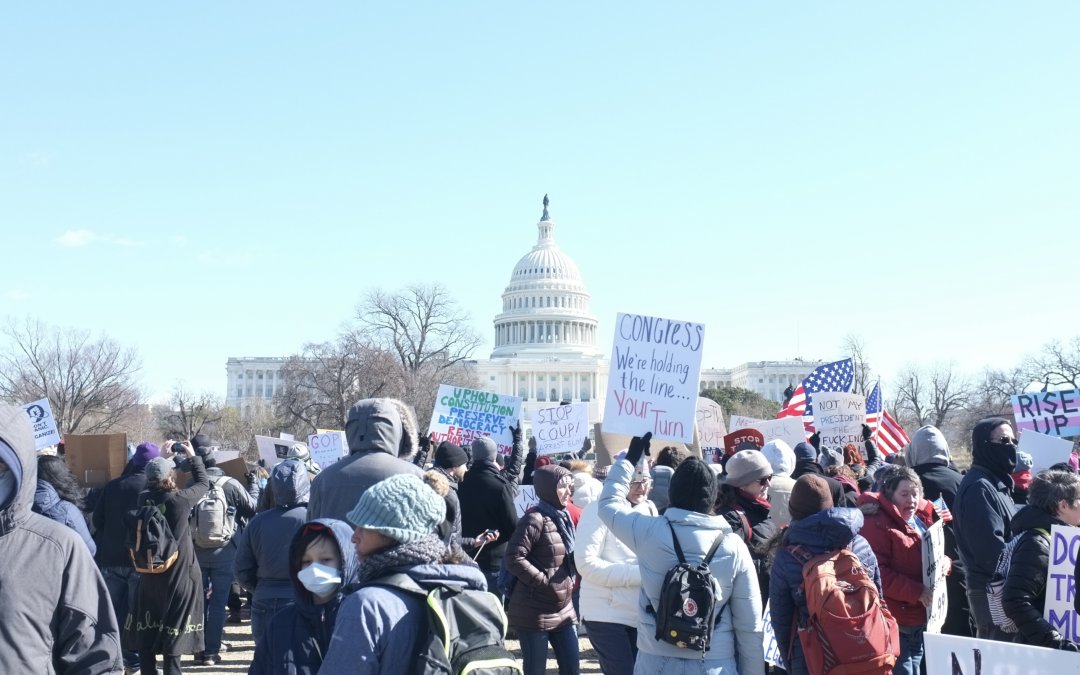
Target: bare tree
x=189 y=413
x=932 y=397
x=1057 y=365
x=855 y=348
x=237 y=432
x=90 y=382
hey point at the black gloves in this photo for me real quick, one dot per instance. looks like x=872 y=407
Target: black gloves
x=815 y=440
x=425 y=444
x=639 y=445
x=867 y=432
x=515 y=432
x=252 y=478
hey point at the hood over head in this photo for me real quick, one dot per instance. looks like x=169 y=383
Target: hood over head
x=927 y=446
x=832 y=528
x=546 y=479
x=290 y=483
x=780 y=456
x=45 y=496
x=342 y=533
x=377 y=425
x=19 y=482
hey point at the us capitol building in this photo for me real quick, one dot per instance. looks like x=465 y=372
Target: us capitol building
x=545 y=344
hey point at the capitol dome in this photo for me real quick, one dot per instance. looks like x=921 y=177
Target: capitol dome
x=545 y=305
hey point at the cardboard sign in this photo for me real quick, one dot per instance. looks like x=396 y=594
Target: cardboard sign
x=525 y=498
x=462 y=415
x=327 y=447
x=933 y=569
x=272 y=450
x=710 y=424
x=838 y=417
x=743 y=439
x=1045 y=450
x=232 y=464
x=1054 y=413
x=951 y=655
x=1060 y=586
x=653 y=385
x=562 y=428
x=43 y=422
x=772 y=650
x=787 y=429
x=96 y=459
x=606 y=445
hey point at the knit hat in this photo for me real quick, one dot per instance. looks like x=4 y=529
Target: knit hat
x=484 y=449
x=158 y=468
x=401 y=507
x=200 y=440
x=747 y=466
x=1024 y=461
x=448 y=455
x=809 y=495
x=601 y=472
x=299 y=451
x=780 y=456
x=693 y=486
x=144 y=453
x=830 y=457
x=805 y=451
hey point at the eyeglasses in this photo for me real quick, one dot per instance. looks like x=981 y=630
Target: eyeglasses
x=764 y=481
x=1004 y=440
x=639 y=483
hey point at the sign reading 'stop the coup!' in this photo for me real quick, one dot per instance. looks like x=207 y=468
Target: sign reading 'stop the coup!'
x=653 y=382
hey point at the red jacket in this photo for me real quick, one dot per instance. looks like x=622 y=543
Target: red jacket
x=898 y=547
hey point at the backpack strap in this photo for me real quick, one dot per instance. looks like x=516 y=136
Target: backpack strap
x=712 y=549
x=675 y=540
x=679 y=552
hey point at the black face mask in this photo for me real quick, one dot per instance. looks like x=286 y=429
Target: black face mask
x=999 y=458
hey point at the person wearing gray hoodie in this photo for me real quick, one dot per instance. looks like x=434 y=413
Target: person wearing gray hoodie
x=381 y=433
x=55 y=613
x=262 y=550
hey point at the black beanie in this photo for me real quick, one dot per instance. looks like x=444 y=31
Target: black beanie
x=693 y=487
x=448 y=455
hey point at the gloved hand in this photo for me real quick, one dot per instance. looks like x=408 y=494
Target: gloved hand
x=815 y=440
x=425 y=444
x=515 y=433
x=639 y=445
x=867 y=432
x=251 y=478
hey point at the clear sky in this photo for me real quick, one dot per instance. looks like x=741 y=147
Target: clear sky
x=210 y=180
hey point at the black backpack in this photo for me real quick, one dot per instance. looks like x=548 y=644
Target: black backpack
x=687 y=611
x=150 y=541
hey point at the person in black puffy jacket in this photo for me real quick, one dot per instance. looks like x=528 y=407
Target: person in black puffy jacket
x=743 y=501
x=1054 y=500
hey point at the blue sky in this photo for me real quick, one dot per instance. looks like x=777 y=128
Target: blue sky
x=209 y=181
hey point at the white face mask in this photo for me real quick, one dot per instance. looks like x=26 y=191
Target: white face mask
x=320 y=579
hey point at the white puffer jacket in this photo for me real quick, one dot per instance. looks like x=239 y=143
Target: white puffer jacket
x=610 y=578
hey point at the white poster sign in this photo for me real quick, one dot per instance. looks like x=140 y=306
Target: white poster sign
x=653 y=385
x=1045 y=450
x=710 y=424
x=934 y=571
x=327 y=447
x=1060 y=585
x=787 y=429
x=272 y=450
x=839 y=417
x=952 y=655
x=43 y=422
x=463 y=414
x=772 y=650
x=525 y=498
x=562 y=428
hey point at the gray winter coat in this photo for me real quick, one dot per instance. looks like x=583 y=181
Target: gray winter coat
x=262 y=549
x=241 y=500
x=55 y=612
x=378 y=435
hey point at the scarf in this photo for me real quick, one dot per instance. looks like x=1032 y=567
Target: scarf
x=564 y=525
x=426 y=551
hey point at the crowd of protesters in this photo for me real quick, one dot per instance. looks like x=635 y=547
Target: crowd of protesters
x=328 y=559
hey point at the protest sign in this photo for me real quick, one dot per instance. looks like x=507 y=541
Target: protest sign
x=463 y=414
x=286 y=437
x=43 y=422
x=232 y=464
x=562 y=428
x=606 y=445
x=327 y=447
x=710 y=424
x=933 y=573
x=525 y=498
x=743 y=439
x=787 y=429
x=272 y=450
x=653 y=385
x=1055 y=413
x=952 y=655
x=1058 y=609
x=1046 y=451
x=95 y=459
x=838 y=417
x=772 y=650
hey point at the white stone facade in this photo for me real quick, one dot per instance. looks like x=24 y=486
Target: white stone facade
x=767 y=378
x=253 y=381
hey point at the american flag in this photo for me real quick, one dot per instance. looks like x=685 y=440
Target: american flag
x=835 y=376
x=942 y=509
x=888 y=433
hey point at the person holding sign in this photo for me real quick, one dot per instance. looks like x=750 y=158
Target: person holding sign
x=894 y=522
x=1054 y=499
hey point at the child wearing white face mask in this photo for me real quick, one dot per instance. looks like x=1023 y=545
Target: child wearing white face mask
x=323 y=565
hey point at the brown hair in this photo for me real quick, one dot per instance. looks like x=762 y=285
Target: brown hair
x=166 y=484
x=672 y=456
